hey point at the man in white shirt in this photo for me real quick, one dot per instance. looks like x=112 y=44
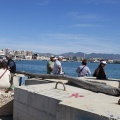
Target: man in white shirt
x=57 y=69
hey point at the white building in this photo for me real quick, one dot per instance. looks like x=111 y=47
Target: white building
x=6 y=51
x=1 y=52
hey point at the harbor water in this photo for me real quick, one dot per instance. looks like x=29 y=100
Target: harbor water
x=37 y=66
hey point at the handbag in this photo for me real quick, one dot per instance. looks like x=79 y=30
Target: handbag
x=95 y=74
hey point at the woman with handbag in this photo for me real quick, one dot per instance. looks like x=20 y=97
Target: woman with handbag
x=100 y=72
x=83 y=70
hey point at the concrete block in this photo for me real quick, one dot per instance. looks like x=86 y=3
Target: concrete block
x=36 y=100
x=41 y=115
x=34 y=81
x=53 y=106
x=28 y=111
x=21 y=107
x=21 y=95
x=20 y=115
x=16 y=80
x=70 y=113
x=19 y=79
x=44 y=102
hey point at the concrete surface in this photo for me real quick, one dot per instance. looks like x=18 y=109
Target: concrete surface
x=111 y=82
x=17 y=78
x=44 y=102
x=34 y=81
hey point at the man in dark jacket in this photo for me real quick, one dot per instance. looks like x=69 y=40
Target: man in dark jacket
x=11 y=64
x=100 y=72
x=12 y=68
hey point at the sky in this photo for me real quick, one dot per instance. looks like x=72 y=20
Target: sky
x=60 y=26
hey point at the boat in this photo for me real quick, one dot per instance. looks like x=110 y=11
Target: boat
x=95 y=61
x=49 y=97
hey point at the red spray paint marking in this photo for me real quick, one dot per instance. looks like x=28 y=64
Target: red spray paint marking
x=76 y=95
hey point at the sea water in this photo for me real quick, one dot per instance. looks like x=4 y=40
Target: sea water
x=37 y=66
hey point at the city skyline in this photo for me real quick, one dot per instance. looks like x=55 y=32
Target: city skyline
x=28 y=55
x=60 y=26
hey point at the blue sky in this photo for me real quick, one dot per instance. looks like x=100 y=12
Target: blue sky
x=60 y=26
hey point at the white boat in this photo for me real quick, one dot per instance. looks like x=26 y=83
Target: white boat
x=95 y=61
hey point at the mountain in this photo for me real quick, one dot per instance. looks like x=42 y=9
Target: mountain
x=92 y=55
x=82 y=55
x=44 y=54
x=69 y=54
x=103 y=56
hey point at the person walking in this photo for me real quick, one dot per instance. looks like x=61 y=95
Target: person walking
x=100 y=72
x=83 y=70
x=50 y=65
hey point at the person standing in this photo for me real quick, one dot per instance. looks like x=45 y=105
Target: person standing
x=50 y=65
x=100 y=72
x=11 y=64
x=83 y=70
x=12 y=67
x=57 y=69
x=5 y=76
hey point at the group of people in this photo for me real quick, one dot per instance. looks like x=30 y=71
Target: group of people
x=54 y=66
x=7 y=71
x=99 y=73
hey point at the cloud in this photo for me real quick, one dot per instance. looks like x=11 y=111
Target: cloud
x=43 y=2
x=101 y=2
x=86 y=25
x=61 y=43
x=77 y=42
x=77 y=15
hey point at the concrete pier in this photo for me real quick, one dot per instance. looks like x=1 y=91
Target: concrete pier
x=44 y=102
x=111 y=82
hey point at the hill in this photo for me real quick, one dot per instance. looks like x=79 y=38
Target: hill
x=82 y=55
x=92 y=55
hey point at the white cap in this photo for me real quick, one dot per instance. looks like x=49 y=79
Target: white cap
x=52 y=56
x=104 y=62
x=55 y=58
x=60 y=56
